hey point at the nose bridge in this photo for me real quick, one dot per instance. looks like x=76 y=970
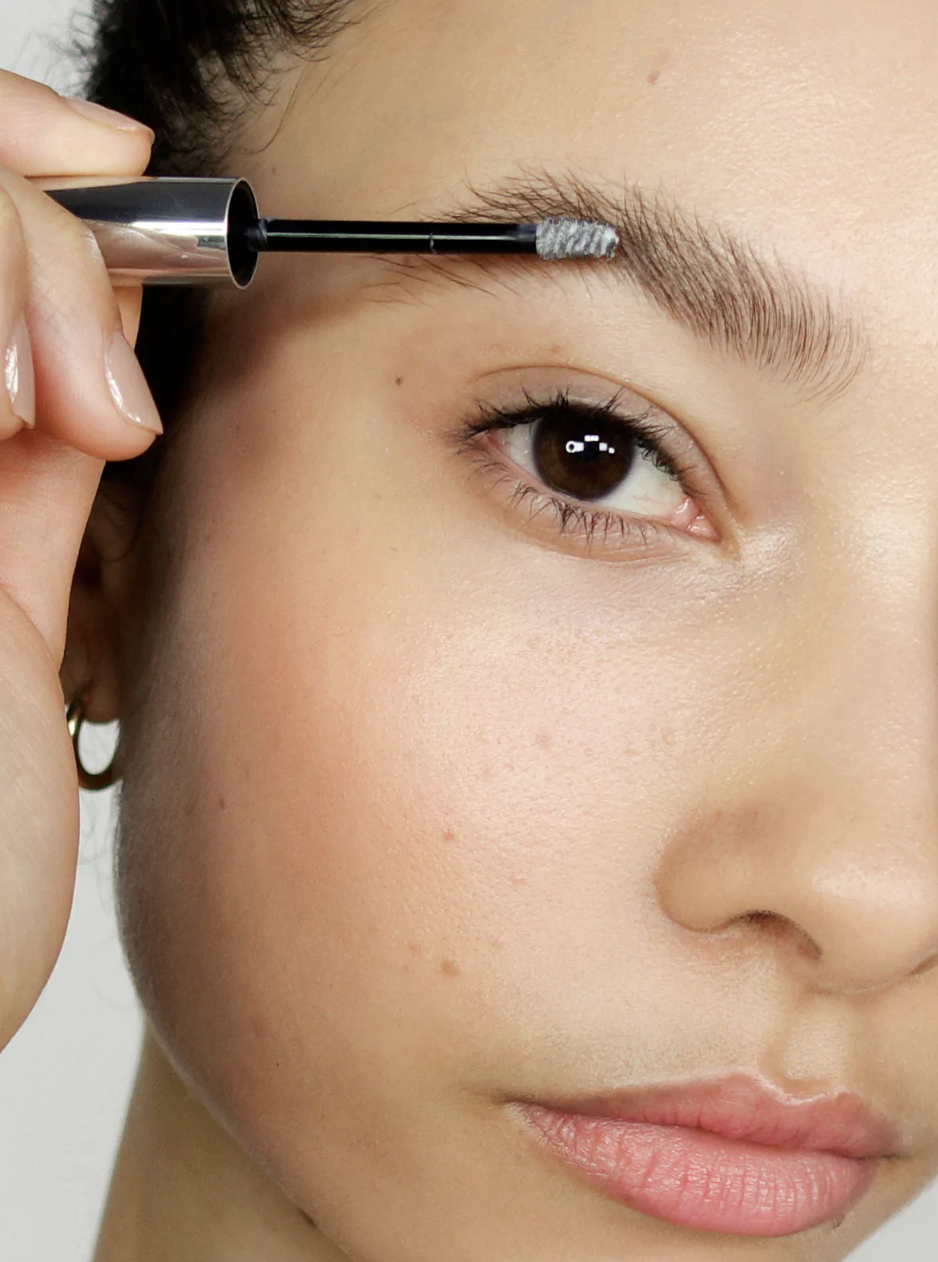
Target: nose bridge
x=837 y=837
x=868 y=689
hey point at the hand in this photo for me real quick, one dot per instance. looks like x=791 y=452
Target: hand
x=74 y=398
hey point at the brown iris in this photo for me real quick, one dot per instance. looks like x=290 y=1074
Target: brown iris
x=583 y=457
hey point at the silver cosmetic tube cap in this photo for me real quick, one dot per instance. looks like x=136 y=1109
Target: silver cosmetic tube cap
x=165 y=230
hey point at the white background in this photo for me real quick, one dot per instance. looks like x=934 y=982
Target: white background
x=66 y=1077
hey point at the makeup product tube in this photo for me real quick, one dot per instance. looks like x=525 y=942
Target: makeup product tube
x=169 y=230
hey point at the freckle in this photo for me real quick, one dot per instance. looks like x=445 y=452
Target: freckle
x=258 y=1027
x=544 y=740
x=450 y=968
x=415 y=948
x=518 y=881
x=660 y=67
x=497 y=944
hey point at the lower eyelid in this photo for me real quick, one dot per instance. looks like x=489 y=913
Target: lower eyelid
x=595 y=507
x=630 y=531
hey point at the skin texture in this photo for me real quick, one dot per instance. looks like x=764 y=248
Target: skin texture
x=427 y=806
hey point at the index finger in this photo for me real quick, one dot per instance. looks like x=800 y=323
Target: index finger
x=42 y=133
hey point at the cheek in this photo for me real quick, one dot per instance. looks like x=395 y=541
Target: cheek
x=420 y=766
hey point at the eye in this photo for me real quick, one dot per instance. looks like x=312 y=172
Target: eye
x=596 y=460
x=621 y=466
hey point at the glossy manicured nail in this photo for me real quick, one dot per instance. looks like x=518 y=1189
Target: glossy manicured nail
x=129 y=387
x=19 y=375
x=107 y=118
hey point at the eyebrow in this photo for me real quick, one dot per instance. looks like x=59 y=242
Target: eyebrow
x=705 y=277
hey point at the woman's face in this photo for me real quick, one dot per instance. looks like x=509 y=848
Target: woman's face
x=471 y=762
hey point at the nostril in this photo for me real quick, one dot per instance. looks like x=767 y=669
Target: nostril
x=772 y=924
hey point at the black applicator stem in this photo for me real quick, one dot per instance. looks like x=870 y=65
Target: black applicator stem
x=364 y=236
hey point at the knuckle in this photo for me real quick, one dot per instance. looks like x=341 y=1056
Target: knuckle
x=12 y=237
x=9 y=215
x=78 y=242
x=82 y=269
x=20 y=98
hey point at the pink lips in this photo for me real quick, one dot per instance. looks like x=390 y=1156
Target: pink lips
x=726 y=1156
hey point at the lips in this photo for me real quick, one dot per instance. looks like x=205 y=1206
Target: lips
x=727 y=1155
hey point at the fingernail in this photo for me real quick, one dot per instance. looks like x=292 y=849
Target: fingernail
x=101 y=114
x=20 y=377
x=129 y=386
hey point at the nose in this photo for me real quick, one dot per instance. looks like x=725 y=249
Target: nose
x=829 y=855
x=851 y=907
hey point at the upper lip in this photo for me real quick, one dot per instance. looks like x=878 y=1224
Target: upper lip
x=739 y=1107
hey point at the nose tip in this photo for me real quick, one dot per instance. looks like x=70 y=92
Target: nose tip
x=874 y=924
x=844 y=921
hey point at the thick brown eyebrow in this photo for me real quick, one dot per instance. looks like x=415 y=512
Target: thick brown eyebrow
x=702 y=275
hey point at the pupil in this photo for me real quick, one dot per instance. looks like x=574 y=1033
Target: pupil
x=582 y=457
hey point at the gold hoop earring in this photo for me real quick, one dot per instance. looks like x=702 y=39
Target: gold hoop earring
x=92 y=780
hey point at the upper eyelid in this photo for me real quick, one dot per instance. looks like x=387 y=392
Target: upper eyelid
x=700 y=273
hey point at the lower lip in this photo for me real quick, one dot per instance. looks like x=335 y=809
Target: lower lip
x=697 y=1179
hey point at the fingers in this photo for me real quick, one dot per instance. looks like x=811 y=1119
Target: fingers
x=18 y=400
x=70 y=376
x=68 y=366
x=72 y=394
x=90 y=390
x=46 y=494
x=42 y=133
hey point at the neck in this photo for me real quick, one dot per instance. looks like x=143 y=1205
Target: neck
x=184 y=1191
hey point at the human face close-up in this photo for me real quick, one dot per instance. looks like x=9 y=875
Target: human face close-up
x=531 y=695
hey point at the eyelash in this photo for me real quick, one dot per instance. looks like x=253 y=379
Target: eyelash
x=571 y=518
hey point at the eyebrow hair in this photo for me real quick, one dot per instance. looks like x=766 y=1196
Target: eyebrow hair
x=705 y=277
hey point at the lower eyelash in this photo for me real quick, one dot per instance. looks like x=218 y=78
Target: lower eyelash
x=573 y=520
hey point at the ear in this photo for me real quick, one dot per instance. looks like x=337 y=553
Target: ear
x=99 y=599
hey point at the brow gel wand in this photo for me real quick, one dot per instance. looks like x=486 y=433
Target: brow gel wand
x=181 y=231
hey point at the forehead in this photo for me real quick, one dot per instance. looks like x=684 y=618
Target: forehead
x=760 y=109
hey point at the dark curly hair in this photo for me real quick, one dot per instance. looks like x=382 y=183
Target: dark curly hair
x=193 y=70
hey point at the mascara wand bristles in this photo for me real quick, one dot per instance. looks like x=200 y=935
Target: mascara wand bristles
x=576 y=239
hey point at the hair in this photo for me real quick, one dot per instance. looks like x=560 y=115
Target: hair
x=194 y=71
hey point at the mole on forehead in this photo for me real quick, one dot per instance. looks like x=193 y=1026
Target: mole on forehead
x=705 y=277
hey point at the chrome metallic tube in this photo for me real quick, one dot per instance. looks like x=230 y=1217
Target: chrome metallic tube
x=166 y=231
